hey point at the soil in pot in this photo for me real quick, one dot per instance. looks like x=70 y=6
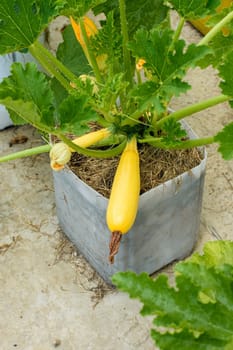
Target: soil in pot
x=156 y=167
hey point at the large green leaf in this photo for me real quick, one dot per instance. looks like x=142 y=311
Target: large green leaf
x=75 y=114
x=22 y=21
x=140 y=13
x=165 y=63
x=26 y=85
x=73 y=59
x=165 y=60
x=196 y=312
x=196 y=8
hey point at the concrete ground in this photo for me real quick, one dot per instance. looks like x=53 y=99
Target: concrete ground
x=49 y=296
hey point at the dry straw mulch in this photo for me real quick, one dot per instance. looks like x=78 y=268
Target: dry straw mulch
x=156 y=167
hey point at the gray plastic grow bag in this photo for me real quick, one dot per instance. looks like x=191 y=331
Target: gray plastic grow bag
x=166 y=227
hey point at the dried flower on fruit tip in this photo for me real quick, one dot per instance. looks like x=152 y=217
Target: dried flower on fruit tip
x=60 y=155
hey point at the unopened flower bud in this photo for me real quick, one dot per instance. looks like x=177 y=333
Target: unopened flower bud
x=92 y=80
x=60 y=154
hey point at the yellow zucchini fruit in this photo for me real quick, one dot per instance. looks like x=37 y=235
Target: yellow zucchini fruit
x=60 y=153
x=91 y=138
x=124 y=197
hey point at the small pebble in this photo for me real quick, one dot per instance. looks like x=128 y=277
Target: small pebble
x=56 y=343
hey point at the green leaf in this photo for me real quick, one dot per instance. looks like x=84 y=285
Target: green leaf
x=225 y=139
x=165 y=66
x=215 y=284
x=196 y=311
x=22 y=21
x=145 y=13
x=75 y=114
x=73 y=59
x=221 y=46
x=109 y=93
x=77 y=8
x=195 y=9
x=142 y=286
x=163 y=62
x=174 y=133
x=16 y=118
x=140 y=13
x=147 y=97
x=226 y=73
x=27 y=85
x=186 y=340
x=215 y=254
x=27 y=111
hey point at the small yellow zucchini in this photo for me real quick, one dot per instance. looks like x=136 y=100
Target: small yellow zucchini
x=91 y=138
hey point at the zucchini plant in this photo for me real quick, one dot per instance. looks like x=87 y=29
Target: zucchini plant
x=119 y=74
x=195 y=312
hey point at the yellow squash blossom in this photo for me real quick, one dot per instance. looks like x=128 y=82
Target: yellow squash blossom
x=91 y=29
x=140 y=63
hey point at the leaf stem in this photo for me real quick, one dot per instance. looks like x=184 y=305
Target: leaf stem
x=90 y=55
x=197 y=107
x=183 y=145
x=56 y=63
x=26 y=153
x=125 y=40
x=49 y=66
x=209 y=36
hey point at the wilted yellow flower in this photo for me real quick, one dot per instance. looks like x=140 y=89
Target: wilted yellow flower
x=60 y=154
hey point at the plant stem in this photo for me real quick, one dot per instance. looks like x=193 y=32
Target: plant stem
x=185 y=112
x=26 y=153
x=125 y=40
x=90 y=54
x=139 y=78
x=92 y=152
x=184 y=145
x=49 y=66
x=209 y=36
x=177 y=32
x=56 y=63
